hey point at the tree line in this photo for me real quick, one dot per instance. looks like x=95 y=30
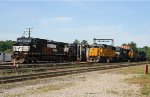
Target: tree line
x=6 y=46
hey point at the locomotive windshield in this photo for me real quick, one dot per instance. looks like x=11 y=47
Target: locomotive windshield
x=99 y=45
x=24 y=40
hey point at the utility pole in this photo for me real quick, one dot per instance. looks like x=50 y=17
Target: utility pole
x=77 y=51
x=29 y=31
x=80 y=52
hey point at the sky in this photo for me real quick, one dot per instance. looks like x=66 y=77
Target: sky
x=67 y=20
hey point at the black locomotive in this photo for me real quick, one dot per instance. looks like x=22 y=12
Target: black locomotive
x=27 y=50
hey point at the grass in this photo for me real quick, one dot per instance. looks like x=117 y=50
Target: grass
x=143 y=79
x=53 y=87
x=145 y=89
x=14 y=72
x=112 y=91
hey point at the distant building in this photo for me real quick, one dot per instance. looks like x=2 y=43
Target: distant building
x=126 y=47
x=5 y=57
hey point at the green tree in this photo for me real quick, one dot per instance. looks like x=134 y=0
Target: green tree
x=147 y=50
x=6 y=46
x=124 y=44
x=76 y=41
x=84 y=42
x=133 y=46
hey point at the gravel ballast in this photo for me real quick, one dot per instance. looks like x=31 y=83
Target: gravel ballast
x=91 y=84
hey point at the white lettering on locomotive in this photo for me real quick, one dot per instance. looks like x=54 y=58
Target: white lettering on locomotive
x=51 y=45
x=21 y=48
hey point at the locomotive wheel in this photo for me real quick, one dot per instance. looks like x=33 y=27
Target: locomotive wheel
x=61 y=59
x=102 y=60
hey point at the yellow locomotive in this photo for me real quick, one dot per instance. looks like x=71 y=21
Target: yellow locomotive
x=101 y=52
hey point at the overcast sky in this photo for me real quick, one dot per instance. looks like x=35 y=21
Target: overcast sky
x=124 y=21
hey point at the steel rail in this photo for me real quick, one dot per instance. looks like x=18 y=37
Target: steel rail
x=62 y=72
x=38 y=69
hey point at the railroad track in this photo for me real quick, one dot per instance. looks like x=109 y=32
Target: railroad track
x=20 y=70
x=43 y=64
x=63 y=71
x=34 y=65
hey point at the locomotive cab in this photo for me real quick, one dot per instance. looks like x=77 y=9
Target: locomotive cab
x=22 y=44
x=21 y=49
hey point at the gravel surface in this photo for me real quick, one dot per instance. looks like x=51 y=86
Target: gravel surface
x=92 y=84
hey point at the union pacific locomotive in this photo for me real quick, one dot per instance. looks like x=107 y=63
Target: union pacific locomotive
x=109 y=53
x=27 y=50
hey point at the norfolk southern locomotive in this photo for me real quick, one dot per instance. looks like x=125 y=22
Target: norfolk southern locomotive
x=27 y=50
